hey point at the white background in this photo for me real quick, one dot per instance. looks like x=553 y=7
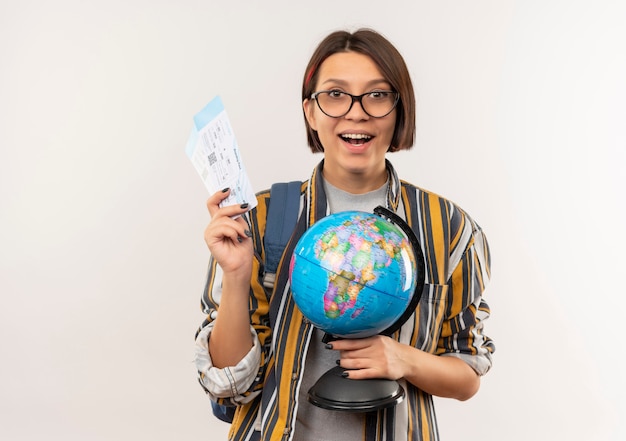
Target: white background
x=521 y=120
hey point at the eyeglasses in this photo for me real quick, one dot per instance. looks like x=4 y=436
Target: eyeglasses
x=335 y=103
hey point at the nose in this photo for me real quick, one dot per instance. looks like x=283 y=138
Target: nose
x=357 y=111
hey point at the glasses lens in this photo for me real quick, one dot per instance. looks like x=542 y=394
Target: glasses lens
x=333 y=103
x=376 y=104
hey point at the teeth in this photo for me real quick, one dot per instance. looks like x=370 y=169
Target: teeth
x=355 y=136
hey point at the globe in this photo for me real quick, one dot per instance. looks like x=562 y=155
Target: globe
x=353 y=274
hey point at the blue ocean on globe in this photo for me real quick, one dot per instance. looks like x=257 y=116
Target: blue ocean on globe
x=353 y=274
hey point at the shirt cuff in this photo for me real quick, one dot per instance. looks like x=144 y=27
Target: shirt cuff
x=480 y=363
x=230 y=381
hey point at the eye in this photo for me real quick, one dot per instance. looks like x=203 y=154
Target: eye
x=378 y=95
x=336 y=94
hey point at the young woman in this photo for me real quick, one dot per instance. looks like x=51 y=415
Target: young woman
x=255 y=349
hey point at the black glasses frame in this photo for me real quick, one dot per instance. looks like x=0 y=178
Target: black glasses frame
x=358 y=98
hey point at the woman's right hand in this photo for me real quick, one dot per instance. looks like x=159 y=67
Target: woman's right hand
x=228 y=239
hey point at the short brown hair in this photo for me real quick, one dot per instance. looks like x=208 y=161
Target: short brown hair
x=391 y=64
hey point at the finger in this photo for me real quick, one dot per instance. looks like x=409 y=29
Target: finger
x=355 y=363
x=361 y=374
x=225 y=227
x=214 y=201
x=232 y=211
x=351 y=344
x=219 y=232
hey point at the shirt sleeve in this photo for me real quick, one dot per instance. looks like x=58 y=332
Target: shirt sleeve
x=229 y=382
x=462 y=333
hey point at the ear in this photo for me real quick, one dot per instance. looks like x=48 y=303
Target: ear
x=308 y=106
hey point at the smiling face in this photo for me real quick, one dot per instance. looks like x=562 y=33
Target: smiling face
x=354 y=144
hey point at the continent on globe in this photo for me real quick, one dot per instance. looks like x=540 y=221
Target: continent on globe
x=356 y=250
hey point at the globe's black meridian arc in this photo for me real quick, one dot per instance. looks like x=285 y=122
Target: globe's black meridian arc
x=419 y=264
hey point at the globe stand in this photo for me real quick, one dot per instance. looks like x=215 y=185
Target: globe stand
x=333 y=391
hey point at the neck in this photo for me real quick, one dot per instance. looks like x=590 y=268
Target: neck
x=356 y=183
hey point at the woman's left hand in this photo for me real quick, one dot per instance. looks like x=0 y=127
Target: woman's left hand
x=373 y=357
x=384 y=357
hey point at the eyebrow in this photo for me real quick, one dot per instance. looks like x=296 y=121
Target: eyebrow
x=346 y=83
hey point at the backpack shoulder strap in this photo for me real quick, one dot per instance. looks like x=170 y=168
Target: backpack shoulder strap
x=282 y=216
